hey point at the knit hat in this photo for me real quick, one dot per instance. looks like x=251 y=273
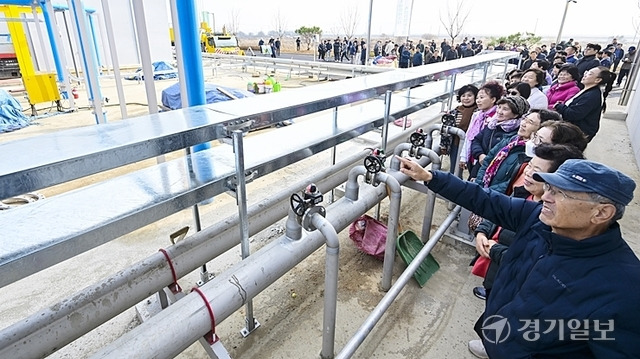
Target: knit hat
x=518 y=104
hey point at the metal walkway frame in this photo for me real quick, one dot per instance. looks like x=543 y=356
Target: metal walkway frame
x=147 y=195
x=153 y=193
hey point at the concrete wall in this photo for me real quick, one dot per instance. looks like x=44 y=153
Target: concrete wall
x=633 y=120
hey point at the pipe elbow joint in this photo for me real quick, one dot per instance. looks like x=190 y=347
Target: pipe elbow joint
x=390 y=181
x=351 y=187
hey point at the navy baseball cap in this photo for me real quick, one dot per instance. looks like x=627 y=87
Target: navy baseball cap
x=588 y=176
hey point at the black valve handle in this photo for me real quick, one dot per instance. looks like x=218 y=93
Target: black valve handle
x=417 y=138
x=298 y=204
x=372 y=164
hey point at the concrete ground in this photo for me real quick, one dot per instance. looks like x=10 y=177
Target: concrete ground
x=430 y=322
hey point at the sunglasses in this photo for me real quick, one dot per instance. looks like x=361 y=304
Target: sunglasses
x=514 y=93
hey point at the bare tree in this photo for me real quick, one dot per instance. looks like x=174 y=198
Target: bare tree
x=349 y=21
x=335 y=30
x=280 y=24
x=234 y=21
x=455 y=20
x=635 y=22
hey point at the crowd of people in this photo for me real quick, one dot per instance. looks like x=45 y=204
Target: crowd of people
x=574 y=83
x=557 y=271
x=555 y=266
x=549 y=59
x=272 y=47
x=407 y=54
x=339 y=50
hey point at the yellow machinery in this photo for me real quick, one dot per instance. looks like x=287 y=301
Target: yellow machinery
x=222 y=43
x=40 y=86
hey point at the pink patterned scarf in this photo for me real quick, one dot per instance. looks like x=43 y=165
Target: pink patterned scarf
x=492 y=169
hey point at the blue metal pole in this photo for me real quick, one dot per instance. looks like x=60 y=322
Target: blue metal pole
x=90 y=72
x=95 y=41
x=190 y=39
x=48 y=20
x=79 y=31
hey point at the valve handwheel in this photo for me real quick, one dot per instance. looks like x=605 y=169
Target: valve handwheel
x=449 y=120
x=297 y=204
x=372 y=164
x=417 y=139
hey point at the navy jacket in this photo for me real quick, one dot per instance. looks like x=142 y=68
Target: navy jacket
x=417 y=59
x=487 y=138
x=548 y=279
x=584 y=111
x=508 y=168
x=586 y=63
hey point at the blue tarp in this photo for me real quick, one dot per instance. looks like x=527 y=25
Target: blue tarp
x=161 y=71
x=11 y=116
x=171 y=95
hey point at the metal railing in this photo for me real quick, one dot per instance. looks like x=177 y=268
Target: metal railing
x=44 y=237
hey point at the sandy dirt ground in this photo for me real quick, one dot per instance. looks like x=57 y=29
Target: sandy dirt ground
x=431 y=322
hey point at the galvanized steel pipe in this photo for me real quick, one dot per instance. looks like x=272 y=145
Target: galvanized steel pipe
x=52 y=328
x=384 y=304
x=392 y=227
x=431 y=196
x=163 y=336
x=330 y=284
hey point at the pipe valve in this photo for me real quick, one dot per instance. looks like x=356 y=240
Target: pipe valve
x=374 y=163
x=418 y=138
x=307 y=204
x=448 y=120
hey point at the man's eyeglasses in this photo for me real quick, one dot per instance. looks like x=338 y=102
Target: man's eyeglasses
x=514 y=93
x=553 y=191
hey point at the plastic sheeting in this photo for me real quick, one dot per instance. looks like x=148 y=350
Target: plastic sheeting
x=161 y=71
x=171 y=95
x=369 y=235
x=11 y=116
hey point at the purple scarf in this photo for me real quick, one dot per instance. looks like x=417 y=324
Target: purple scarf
x=478 y=122
x=507 y=126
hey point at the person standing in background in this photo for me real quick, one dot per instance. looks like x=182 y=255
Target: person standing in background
x=626 y=64
x=618 y=54
x=606 y=58
x=363 y=53
x=278 y=44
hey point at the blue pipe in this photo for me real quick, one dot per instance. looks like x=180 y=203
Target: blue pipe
x=95 y=41
x=48 y=20
x=192 y=57
x=82 y=50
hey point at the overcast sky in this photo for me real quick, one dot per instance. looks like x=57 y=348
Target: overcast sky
x=585 y=18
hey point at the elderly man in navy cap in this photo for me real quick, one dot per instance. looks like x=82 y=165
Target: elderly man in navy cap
x=569 y=285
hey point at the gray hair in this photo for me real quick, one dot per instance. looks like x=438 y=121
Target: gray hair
x=602 y=199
